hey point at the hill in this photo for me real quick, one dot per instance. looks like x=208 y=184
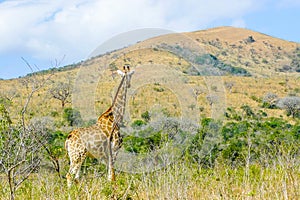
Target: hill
x=259 y=53
x=199 y=73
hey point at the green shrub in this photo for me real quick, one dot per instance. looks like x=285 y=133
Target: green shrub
x=146 y=116
x=138 y=123
x=56 y=142
x=143 y=144
x=246 y=137
x=212 y=61
x=72 y=117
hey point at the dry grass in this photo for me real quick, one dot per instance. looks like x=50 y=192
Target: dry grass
x=261 y=57
x=180 y=180
x=246 y=91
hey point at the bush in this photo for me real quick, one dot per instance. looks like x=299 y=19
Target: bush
x=73 y=117
x=138 y=123
x=56 y=142
x=141 y=144
x=244 y=140
x=146 y=116
x=212 y=61
x=204 y=147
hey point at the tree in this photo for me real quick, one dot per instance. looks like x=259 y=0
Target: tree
x=20 y=155
x=62 y=92
x=203 y=148
x=291 y=105
x=20 y=147
x=212 y=99
x=197 y=91
x=270 y=100
x=229 y=85
x=42 y=130
x=248 y=112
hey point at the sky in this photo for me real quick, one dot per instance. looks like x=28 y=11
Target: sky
x=57 y=33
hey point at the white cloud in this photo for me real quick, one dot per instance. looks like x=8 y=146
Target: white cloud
x=50 y=29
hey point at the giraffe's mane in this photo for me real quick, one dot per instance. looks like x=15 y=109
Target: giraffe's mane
x=106 y=113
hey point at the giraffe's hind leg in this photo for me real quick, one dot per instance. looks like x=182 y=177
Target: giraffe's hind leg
x=75 y=166
x=76 y=160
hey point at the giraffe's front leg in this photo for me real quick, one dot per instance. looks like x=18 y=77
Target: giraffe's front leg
x=111 y=160
x=111 y=174
x=115 y=146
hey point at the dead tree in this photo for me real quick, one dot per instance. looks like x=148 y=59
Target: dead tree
x=20 y=155
x=212 y=99
x=291 y=105
x=196 y=92
x=229 y=85
x=21 y=150
x=270 y=100
x=62 y=92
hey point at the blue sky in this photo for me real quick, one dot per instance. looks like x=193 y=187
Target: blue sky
x=44 y=32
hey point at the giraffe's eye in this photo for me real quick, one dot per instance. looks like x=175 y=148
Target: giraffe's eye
x=124 y=67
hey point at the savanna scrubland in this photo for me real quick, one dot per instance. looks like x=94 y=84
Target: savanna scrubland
x=218 y=122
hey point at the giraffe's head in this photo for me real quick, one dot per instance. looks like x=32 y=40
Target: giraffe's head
x=126 y=73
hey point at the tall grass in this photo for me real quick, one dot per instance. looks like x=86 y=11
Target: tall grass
x=181 y=180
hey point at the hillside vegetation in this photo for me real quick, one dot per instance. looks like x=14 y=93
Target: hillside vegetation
x=211 y=114
x=271 y=65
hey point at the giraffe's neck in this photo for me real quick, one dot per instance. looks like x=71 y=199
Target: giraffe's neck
x=106 y=120
x=113 y=116
x=119 y=102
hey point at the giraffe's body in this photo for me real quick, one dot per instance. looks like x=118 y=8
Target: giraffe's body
x=102 y=140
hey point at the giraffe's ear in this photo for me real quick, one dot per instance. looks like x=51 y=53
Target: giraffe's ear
x=120 y=72
x=131 y=72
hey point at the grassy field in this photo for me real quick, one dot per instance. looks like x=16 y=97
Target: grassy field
x=179 y=180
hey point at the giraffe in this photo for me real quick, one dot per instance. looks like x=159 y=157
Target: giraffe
x=103 y=139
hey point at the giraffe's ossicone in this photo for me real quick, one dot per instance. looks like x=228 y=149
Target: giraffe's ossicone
x=102 y=140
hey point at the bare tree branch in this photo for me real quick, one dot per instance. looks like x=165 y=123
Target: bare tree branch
x=291 y=105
